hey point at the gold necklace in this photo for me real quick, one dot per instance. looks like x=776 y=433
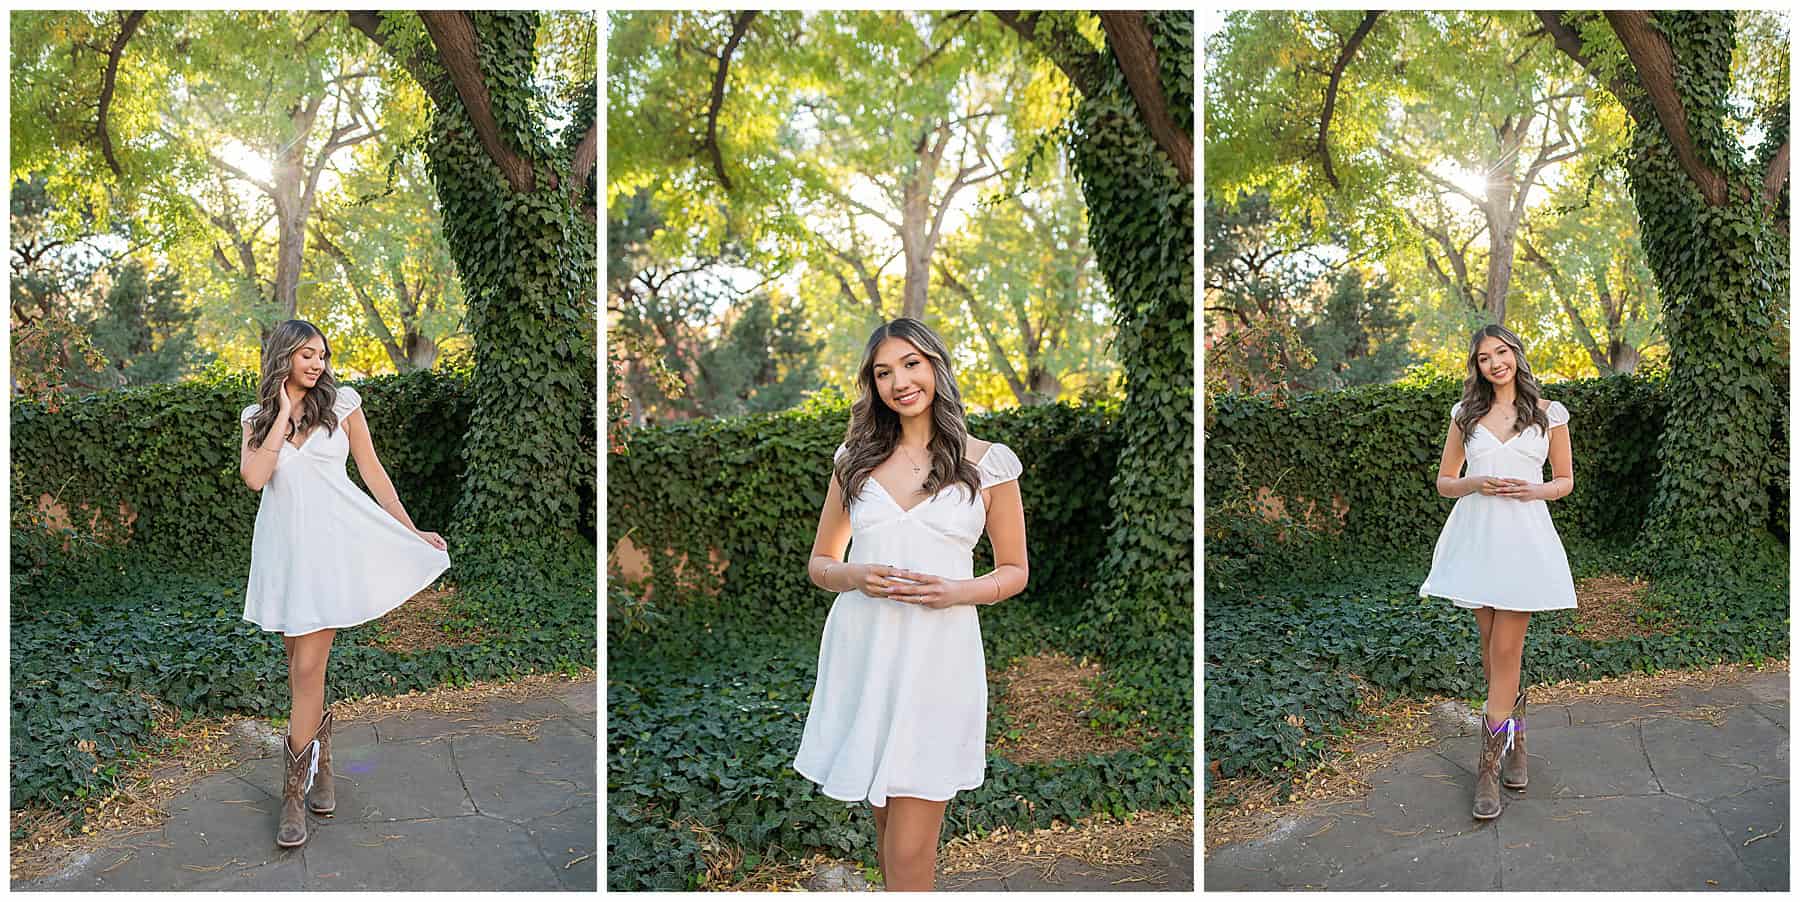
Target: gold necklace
x=909 y=458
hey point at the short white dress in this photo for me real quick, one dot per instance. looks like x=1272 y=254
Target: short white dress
x=900 y=704
x=324 y=554
x=1502 y=552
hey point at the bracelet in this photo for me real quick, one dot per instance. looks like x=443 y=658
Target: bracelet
x=996 y=588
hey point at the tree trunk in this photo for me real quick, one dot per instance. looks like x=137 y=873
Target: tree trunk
x=525 y=253
x=1722 y=268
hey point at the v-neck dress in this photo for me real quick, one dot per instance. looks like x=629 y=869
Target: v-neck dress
x=900 y=704
x=324 y=554
x=1502 y=552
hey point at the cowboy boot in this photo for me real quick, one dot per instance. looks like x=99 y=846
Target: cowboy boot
x=300 y=770
x=1513 y=763
x=324 y=794
x=1494 y=745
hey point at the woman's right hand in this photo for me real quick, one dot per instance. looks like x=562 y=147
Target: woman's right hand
x=286 y=402
x=1493 y=485
x=874 y=580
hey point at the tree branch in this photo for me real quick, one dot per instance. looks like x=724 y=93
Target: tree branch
x=369 y=23
x=739 y=26
x=454 y=37
x=1331 y=90
x=382 y=332
x=1025 y=24
x=1655 y=62
x=1128 y=36
x=109 y=82
x=1568 y=40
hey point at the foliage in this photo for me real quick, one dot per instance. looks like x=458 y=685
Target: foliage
x=1288 y=320
x=870 y=164
x=709 y=675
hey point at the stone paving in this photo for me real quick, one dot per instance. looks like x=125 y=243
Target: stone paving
x=424 y=803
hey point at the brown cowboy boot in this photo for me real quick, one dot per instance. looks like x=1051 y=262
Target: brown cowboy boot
x=1487 y=773
x=1513 y=763
x=300 y=771
x=323 y=799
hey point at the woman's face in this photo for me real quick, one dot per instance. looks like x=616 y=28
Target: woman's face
x=903 y=377
x=308 y=363
x=1494 y=358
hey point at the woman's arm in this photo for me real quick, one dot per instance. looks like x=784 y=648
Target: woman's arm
x=1449 y=483
x=1006 y=532
x=1562 y=466
x=362 y=446
x=826 y=567
x=257 y=463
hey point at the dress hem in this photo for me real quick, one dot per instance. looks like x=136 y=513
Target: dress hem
x=1469 y=602
x=865 y=797
x=383 y=613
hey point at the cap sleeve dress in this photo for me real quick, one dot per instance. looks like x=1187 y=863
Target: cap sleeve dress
x=1502 y=552
x=899 y=707
x=324 y=554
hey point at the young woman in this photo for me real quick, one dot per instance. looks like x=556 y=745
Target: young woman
x=1499 y=553
x=324 y=556
x=899 y=711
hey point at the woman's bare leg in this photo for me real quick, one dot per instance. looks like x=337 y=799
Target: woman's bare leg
x=306 y=683
x=880 y=837
x=1484 y=621
x=909 y=848
x=1507 y=648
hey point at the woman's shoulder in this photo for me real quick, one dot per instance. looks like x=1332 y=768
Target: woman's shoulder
x=249 y=413
x=1558 y=414
x=347 y=400
x=975 y=449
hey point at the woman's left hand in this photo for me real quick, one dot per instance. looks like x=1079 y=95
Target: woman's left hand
x=1521 y=490
x=436 y=540
x=930 y=591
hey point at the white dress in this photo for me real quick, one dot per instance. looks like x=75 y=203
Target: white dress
x=324 y=554
x=1502 y=552
x=900 y=704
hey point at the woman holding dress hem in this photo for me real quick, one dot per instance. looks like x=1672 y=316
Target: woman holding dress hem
x=898 y=713
x=316 y=542
x=1499 y=553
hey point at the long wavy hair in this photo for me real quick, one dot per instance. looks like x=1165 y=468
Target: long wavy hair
x=875 y=427
x=1478 y=392
x=317 y=408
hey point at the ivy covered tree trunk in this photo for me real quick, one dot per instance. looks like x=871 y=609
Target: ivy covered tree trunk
x=1713 y=227
x=519 y=219
x=1131 y=152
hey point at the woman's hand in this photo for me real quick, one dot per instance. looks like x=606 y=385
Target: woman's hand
x=874 y=580
x=286 y=400
x=1493 y=486
x=934 y=591
x=436 y=540
x=1520 y=490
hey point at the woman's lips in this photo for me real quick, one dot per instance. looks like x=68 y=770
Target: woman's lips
x=909 y=397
